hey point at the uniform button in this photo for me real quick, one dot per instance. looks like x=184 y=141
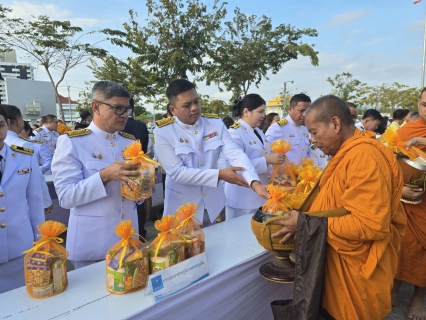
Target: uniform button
x=201 y=164
x=2 y=209
x=196 y=125
x=114 y=136
x=1 y=194
x=3 y=225
x=265 y=152
x=195 y=131
x=203 y=194
x=186 y=127
x=122 y=198
x=122 y=216
x=107 y=136
x=111 y=144
x=199 y=148
x=115 y=161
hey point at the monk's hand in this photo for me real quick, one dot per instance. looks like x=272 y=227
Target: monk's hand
x=230 y=175
x=260 y=189
x=411 y=142
x=121 y=172
x=289 y=226
x=412 y=193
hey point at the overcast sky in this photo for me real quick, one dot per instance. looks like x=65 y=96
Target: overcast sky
x=377 y=41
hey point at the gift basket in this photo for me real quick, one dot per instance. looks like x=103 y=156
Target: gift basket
x=168 y=248
x=127 y=262
x=190 y=230
x=278 y=175
x=146 y=178
x=45 y=263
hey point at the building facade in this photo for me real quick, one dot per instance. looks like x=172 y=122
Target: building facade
x=69 y=107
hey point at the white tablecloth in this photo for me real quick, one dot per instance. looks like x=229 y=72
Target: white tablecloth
x=234 y=289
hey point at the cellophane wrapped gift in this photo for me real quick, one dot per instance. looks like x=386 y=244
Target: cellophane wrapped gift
x=308 y=176
x=168 y=248
x=279 y=146
x=127 y=262
x=146 y=178
x=288 y=176
x=190 y=230
x=45 y=263
x=391 y=139
x=278 y=201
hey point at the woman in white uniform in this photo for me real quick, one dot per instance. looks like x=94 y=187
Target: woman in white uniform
x=247 y=136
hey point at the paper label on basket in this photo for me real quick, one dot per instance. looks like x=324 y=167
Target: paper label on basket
x=171 y=280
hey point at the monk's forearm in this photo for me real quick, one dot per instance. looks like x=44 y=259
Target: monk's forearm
x=350 y=227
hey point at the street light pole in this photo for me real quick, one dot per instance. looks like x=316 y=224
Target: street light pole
x=284 y=99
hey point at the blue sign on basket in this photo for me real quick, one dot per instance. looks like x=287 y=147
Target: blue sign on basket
x=157 y=283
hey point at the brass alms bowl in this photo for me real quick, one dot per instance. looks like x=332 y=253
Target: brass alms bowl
x=281 y=269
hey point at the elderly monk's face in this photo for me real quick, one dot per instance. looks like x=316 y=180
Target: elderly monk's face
x=422 y=107
x=325 y=135
x=297 y=113
x=187 y=107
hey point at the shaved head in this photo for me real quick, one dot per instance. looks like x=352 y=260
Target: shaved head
x=328 y=107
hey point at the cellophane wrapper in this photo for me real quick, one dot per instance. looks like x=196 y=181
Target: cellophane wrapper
x=127 y=261
x=190 y=230
x=146 y=178
x=45 y=264
x=168 y=248
x=277 y=203
x=279 y=146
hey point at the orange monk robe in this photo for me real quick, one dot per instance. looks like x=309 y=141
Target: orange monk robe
x=361 y=260
x=62 y=128
x=412 y=258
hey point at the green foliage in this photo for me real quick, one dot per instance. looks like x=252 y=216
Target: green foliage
x=171 y=44
x=84 y=99
x=250 y=47
x=143 y=117
x=55 y=45
x=347 y=88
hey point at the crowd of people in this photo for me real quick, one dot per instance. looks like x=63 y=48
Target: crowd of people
x=225 y=165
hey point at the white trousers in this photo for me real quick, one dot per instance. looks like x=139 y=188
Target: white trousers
x=231 y=213
x=12 y=274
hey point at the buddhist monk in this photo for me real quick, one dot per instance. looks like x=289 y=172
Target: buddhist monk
x=412 y=258
x=363 y=178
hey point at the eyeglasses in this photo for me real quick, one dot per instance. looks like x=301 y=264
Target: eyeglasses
x=119 y=110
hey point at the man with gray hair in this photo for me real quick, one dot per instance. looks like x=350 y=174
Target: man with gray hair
x=88 y=171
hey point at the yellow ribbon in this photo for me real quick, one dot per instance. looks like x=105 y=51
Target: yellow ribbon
x=162 y=235
x=125 y=244
x=44 y=239
x=142 y=155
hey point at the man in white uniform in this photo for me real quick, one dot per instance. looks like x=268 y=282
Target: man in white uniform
x=370 y=120
x=188 y=147
x=21 y=208
x=47 y=133
x=88 y=169
x=292 y=128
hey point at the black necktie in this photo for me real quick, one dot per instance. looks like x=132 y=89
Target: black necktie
x=258 y=135
x=1 y=173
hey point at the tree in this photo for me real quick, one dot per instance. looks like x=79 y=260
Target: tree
x=55 y=45
x=84 y=99
x=174 y=41
x=347 y=88
x=388 y=97
x=249 y=48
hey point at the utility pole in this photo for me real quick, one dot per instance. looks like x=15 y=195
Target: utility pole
x=69 y=102
x=284 y=93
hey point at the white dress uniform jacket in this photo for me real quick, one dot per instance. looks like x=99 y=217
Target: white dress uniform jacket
x=95 y=209
x=298 y=136
x=21 y=204
x=44 y=156
x=13 y=138
x=189 y=154
x=48 y=137
x=359 y=126
x=244 y=137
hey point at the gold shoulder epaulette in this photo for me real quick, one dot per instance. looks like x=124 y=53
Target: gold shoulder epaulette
x=165 y=122
x=24 y=139
x=210 y=115
x=78 y=133
x=282 y=122
x=235 y=125
x=38 y=129
x=127 y=135
x=314 y=146
x=22 y=150
x=37 y=141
